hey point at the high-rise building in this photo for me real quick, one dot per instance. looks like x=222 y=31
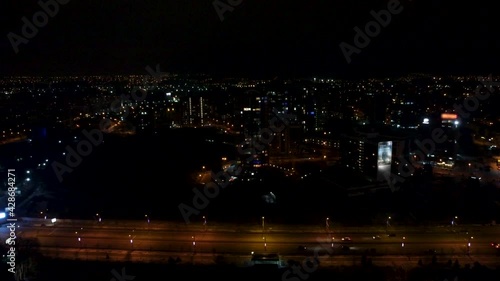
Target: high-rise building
x=404 y=113
x=252 y=114
x=372 y=155
x=195 y=111
x=359 y=154
x=446 y=152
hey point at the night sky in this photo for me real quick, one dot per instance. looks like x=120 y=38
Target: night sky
x=258 y=38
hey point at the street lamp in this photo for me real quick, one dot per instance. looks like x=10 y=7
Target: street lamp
x=262 y=224
x=265 y=243
x=131 y=240
x=327 y=224
x=79 y=236
x=468 y=245
x=204 y=223
x=194 y=243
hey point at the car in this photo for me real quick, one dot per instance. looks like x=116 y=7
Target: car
x=376 y=237
x=301 y=248
x=495 y=245
x=345 y=248
x=346 y=239
x=431 y=251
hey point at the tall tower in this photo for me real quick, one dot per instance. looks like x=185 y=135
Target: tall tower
x=201 y=111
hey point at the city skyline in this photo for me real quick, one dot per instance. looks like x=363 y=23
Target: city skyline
x=273 y=140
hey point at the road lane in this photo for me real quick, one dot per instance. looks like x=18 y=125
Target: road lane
x=238 y=240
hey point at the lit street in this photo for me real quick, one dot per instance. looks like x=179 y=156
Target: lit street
x=159 y=241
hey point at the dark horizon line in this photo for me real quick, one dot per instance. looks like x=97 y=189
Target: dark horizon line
x=270 y=76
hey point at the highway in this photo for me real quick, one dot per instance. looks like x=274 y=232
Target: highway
x=157 y=241
x=460 y=172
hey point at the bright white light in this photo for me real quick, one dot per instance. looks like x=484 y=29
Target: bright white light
x=2 y=215
x=28 y=179
x=426 y=121
x=53 y=220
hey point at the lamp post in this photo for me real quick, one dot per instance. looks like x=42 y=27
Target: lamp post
x=147 y=220
x=327 y=225
x=263 y=225
x=204 y=223
x=79 y=236
x=194 y=244
x=131 y=240
x=469 y=245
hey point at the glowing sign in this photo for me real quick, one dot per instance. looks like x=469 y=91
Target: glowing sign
x=384 y=160
x=384 y=153
x=449 y=116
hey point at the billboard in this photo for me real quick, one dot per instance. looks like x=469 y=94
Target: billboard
x=384 y=160
x=449 y=116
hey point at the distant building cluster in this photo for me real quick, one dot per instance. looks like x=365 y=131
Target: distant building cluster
x=366 y=125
